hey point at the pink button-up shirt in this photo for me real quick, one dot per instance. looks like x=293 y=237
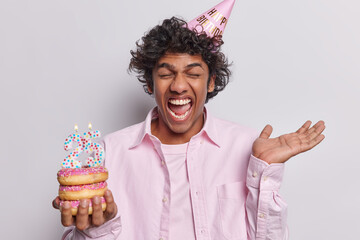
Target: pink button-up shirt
x=233 y=194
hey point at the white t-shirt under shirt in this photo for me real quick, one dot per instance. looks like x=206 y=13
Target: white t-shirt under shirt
x=180 y=203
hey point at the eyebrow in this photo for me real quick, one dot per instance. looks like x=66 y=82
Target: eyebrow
x=194 y=65
x=167 y=65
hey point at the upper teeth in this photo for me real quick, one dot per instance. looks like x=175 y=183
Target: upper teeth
x=179 y=102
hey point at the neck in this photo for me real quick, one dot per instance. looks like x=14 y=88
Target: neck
x=167 y=136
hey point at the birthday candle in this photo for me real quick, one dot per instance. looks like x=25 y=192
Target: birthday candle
x=97 y=154
x=90 y=134
x=71 y=160
x=72 y=138
x=84 y=143
x=95 y=150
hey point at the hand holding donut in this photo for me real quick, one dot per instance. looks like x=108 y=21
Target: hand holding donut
x=83 y=220
x=84 y=199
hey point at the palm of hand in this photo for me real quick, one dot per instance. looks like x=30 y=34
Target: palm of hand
x=280 y=149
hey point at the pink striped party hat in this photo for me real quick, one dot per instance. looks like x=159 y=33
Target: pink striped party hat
x=213 y=21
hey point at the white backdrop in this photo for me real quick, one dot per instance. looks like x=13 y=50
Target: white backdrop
x=65 y=62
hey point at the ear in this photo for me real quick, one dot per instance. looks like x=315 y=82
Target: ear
x=149 y=88
x=211 y=84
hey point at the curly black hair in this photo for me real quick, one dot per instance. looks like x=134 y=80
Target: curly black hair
x=173 y=36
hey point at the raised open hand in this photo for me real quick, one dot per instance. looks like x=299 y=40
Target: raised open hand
x=280 y=149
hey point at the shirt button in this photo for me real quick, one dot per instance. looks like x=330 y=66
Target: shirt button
x=161 y=239
x=162 y=162
x=265 y=178
x=261 y=215
x=202 y=231
x=164 y=200
x=254 y=174
x=202 y=141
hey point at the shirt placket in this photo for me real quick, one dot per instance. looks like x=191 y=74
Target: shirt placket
x=166 y=199
x=197 y=193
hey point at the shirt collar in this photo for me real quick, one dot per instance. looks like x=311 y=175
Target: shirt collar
x=208 y=131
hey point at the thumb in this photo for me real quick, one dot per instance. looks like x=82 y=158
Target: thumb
x=56 y=203
x=266 y=132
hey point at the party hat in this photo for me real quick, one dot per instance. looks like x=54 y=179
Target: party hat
x=213 y=21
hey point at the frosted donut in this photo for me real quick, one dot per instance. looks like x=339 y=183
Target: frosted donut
x=85 y=191
x=75 y=205
x=82 y=183
x=78 y=176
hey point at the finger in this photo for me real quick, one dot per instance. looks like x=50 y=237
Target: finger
x=314 y=142
x=82 y=216
x=313 y=128
x=316 y=130
x=304 y=127
x=97 y=215
x=66 y=217
x=111 y=208
x=266 y=132
x=56 y=203
x=317 y=140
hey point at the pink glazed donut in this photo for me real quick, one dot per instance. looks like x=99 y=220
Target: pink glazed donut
x=85 y=175
x=75 y=205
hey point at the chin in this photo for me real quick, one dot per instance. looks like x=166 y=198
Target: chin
x=179 y=129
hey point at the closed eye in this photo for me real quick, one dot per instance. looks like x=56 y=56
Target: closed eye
x=165 y=75
x=193 y=75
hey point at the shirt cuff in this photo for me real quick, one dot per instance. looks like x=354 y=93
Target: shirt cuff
x=264 y=176
x=109 y=230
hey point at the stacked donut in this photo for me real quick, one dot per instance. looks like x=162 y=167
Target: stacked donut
x=82 y=183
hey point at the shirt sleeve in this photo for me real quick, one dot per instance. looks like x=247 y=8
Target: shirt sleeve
x=266 y=211
x=109 y=230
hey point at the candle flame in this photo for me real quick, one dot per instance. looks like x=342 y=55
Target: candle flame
x=90 y=126
x=76 y=128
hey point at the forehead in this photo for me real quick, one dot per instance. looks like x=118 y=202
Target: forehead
x=181 y=60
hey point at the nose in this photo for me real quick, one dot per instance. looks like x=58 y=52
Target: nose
x=179 y=84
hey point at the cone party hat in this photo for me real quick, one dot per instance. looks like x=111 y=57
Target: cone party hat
x=213 y=21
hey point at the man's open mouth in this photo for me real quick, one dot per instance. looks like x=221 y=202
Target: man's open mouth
x=179 y=108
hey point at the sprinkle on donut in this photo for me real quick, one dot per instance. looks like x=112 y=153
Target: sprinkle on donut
x=72 y=188
x=66 y=172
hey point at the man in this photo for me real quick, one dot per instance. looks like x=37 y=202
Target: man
x=183 y=174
